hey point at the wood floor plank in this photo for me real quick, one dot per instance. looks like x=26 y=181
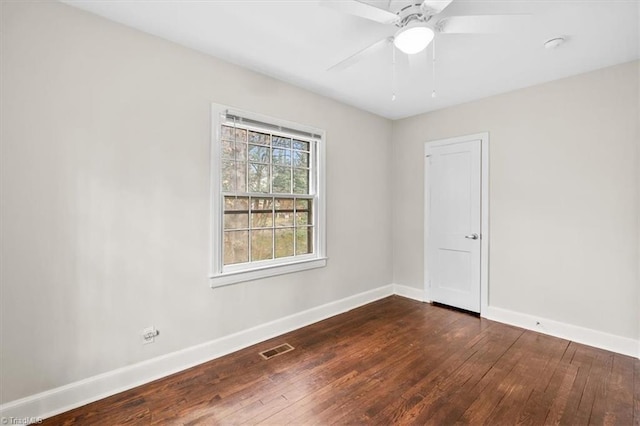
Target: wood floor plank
x=598 y=373
x=452 y=374
x=373 y=365
x=536 y=409
x=424 y=371
x=347 y=358
x=636 y=393
x=582 y=359
x=558 y=391
x=486 y=385
x=601 y=383
x=619 y=392
x=311 y=362
x=403 y=372
x=491 y=389
x=394 y=361
x=529 y=377
x=598 y=381
x=313 y=366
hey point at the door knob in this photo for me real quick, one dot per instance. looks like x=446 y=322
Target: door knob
x=472 y=236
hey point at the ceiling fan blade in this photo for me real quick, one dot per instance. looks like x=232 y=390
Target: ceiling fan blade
x=481 y=24
x=433 y=7
x=363 y=10
x=356 y=57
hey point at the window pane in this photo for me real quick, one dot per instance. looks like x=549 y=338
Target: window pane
x=227 y=149
x=236 y=247
x=236 y=220
x=262 y=220
x=280 y=141
x=234 y=176
x=241 y=135
x=240 y=151
x=302 y=218
x=259 y=138
x=228 y=134
x=262 y=203
x=303 y=212
x=284 y=242
x=300 y=145
x=303 y=204
x=258 y=177
x=281 y=156
x=259 y=154
x=234 y=150
x=304 y=241
x=236 y=203
x=261 y=212
x=284 y=218
x=284 y=212
x=301 y=181
x=300 y=159
x=281 y=179
x=284 y=204
x=262 y=244
x=241 y=177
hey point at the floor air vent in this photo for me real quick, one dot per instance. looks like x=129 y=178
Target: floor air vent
x=278 y=350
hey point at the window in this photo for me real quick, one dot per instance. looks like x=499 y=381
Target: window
x=268 y=205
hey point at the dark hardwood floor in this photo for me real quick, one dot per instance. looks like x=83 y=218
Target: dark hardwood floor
x=394 y=361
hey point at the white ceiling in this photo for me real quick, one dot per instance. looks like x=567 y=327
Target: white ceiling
x=297 y=40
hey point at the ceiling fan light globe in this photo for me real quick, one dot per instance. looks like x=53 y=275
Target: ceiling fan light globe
x=413 y=38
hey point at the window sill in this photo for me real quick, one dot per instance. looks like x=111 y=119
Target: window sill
x=229 y=278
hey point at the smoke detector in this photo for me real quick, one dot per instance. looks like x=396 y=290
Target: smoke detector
x=554 y=42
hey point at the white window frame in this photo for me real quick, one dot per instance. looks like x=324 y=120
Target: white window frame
x=221 y=275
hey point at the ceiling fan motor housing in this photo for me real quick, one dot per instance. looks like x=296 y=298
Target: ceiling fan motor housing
x=411 y=13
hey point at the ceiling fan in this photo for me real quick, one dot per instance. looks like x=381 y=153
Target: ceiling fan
x=415 y=25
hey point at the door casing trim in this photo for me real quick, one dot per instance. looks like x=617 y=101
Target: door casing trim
x=484 y=213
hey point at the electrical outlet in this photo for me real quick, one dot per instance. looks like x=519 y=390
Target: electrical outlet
x=149 y=335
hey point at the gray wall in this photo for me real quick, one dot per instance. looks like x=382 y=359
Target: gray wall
x=563 y=197
x=105 y=198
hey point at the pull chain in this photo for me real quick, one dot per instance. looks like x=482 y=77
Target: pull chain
x=433 y=47
x=393 y=73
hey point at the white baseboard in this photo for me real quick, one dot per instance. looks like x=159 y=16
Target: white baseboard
x=587 y=336
x=73 y=395
x=409 y=292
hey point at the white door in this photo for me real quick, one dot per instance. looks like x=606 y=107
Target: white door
x=453 y=176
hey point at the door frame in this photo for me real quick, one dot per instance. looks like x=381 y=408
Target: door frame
x=484 y=213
